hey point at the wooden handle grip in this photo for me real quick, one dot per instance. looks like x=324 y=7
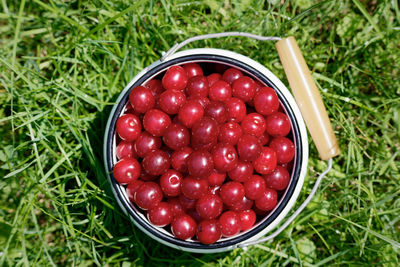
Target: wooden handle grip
x=308 y=98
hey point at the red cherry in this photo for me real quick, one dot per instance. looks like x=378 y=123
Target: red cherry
x=156 y=162
x=179 y=159
x=192 y=70
x=243 y=204
x=176 y=206
x=187 y=203
x=202 y=100
x=194 y=188
x=197 y=145
x=183 y=227
x=266 y=161
x=266 y=101
x=171 y=101
x=170 y=183
x=141 y=99
x=236 y=109
x=196 y=217
x=225 y=157
x=217 y=110
x=208 y=232
x=248 y=147
x=253 y=124
x=209 y=206
x=205 y=130
x=125 y=150
x=200 y=163
x=144 y=176
x=176 y=136
x=190 y=112
x=278 y=124
x=244 y=88
x=288 y=166
x=161 y=215
x=231 y=193
x=230 y=223
x=230 y=133
x=197 y=86
x=131 y=189
x=212 y=78
x=146 y=143
x=264 y=139
x=254 y=187
x=284 y=149
x=126 y=170
x=155 y=87
x=148 y=195
x=156 y=122
x=128 y=127
x=175 y=78
x=216 y=178
x=242 y=172
x=231 y=75
x=268 y=200
x=279 y=179
x=247 y=219
x=220 y=91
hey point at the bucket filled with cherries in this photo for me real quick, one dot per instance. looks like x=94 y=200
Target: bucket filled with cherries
x=206 y=150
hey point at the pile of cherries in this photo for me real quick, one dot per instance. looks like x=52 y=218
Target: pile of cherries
x=204 y=154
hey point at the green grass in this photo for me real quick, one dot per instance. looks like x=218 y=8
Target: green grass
x=63 y=63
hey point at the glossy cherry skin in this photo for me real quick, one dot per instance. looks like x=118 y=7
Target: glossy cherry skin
x=200 y=163
x=128 y=127
x=243 y=204
x=170 y=183
x=288 y=166
x=264 y=138
x=131 y=189
x=229 y=133
x=156 y=122
x=212 y=78
x=156 y=162
x=176 y=136
x=266 y=161
x=194 y=188
x=284 y=149
x=176 y=206
x=179 y=159
x=208 y=232
x=254 y=187
x=244 y=88
x=144 y=176
x=125 y=150
x=242 y=172
x=187 y=203
x=197 y=145
x=217 y=110
x=209 y=206
x=202 y=100
x=175 y=78
x=155 y=87
x=183 y=227
x=220 y=91
x=236 y=109
x=141 y=99
x=161 y=215
x=190 y=112
x=192 y=69
x=171 y=101
x=248 y=147
x=205 y=130
x=278 y=124
x=225 y=157
x=197 y=86
x=279 y=179
x=266 y=101
x=267 y=201
x=230 y=223
x=146 y=143
x=232 y=192
x=126 y=170
x=216 y=178
x=254 y=124
x=231 y=75
x=247 y=219
x=148 y=195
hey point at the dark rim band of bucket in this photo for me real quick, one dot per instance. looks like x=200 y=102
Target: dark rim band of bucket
x=296 y=136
